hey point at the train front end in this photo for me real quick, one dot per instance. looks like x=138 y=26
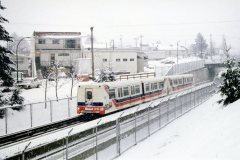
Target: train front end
x=92 y=99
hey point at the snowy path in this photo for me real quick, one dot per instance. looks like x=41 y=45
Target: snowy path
x=208 y=132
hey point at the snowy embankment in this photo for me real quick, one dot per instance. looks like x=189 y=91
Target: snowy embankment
x=208 y=132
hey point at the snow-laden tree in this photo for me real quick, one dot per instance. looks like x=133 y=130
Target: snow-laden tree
x=200 y=46
x=225 y=47
x=6 y=64
x=8 y=94
x=230 y=89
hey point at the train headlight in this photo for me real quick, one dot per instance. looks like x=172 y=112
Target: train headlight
x=101 y=109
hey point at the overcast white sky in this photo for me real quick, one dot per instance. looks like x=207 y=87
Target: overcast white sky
x=167 y=21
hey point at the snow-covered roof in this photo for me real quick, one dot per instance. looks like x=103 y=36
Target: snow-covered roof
x=57 y=34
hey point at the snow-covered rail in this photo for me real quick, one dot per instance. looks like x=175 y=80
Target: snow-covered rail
x=121 y=133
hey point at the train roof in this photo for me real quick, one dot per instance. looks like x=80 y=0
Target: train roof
x=153 y=79
x=114 y=84
x=179 y=76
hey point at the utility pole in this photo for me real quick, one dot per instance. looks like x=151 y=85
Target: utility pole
x=141 y=41
x=121 y=45
x=177 y=52
x=211 y=46
x=112 y=42
x=92 y=52
x=136 y=41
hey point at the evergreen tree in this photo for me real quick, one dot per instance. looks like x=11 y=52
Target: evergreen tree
x=6 y=64
x=230 y=89
x=9 y=95
x=200 y=46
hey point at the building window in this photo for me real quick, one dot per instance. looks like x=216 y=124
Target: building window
x=41 y=41
x=124 y=59
x=55 y=41
x=104 y=59
x=70 y=43
x=63 y=54
x=118 y=60
x=131 y=59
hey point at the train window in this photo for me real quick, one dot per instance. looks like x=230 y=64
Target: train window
x=137 y=89
x=175 y=82
x=89 y=94
x=155 y=87
x=120 y=93
x=180 y=81
x=132 y=90
x=161 y=85
x=125 y=91
x=112 y=93
x=147 y=87
x=171 y=83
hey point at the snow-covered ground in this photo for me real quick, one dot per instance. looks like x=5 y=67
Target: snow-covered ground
x=38 y=94
x=208 y=132
x=40 y=114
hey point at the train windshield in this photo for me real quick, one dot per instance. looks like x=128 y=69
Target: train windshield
x=89 y=94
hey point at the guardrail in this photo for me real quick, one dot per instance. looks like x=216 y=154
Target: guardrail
x=111 y=139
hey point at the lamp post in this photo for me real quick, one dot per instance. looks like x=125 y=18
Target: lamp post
x=17 y=53
x=177 y=51
x=185 y=49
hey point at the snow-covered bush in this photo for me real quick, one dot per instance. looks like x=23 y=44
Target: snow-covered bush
x=230 y=89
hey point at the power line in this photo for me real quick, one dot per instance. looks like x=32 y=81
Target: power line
x=128 y=25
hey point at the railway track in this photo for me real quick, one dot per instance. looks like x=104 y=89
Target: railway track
x=26 y=134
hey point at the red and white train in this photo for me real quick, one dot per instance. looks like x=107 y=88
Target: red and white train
x=107 y=97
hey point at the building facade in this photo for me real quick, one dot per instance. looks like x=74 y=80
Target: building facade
x=60 y=48
x=118 y=60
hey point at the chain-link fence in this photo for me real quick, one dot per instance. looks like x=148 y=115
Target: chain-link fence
x=37 y=114
x=111 y=139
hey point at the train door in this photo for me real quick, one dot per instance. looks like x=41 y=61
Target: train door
x=88 y=96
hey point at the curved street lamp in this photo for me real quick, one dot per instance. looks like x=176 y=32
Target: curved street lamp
x=17 y=53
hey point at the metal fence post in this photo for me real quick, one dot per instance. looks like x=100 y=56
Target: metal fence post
x=6 y=121
x=194 y=97
x=51 y=119
x=168 y=104
x=96 y=134
x=175 y=106
x=135 y=126
x=23 y=152
x=159 y=112
x=67 y=143
x=181 y=105
x=31 y=116
x=118 y=134
x=69 y=107
x=149 y=120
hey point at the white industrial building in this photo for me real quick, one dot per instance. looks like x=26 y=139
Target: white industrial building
x=118 y=60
